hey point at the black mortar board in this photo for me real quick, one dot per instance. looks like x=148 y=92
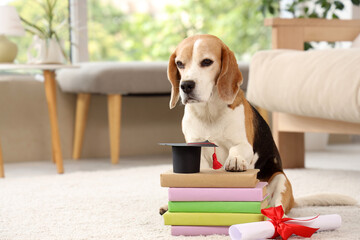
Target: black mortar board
x=186 y=156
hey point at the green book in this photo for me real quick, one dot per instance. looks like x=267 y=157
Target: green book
x=218 y=207
x=210 y=219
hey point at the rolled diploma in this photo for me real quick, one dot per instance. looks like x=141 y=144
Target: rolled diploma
x=263 y=230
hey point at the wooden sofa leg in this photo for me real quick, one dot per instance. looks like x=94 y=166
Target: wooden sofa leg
x=82 y=108
x=114 y=113
x=291 y=147
x=2 y=175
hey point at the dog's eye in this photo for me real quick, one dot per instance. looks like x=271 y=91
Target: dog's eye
x=206 y=62
x=180 y=64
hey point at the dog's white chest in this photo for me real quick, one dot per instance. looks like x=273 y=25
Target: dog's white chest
x=224 y=126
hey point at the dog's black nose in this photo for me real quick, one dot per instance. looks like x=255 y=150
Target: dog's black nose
x=187 y=86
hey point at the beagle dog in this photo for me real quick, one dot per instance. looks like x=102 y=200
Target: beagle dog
x=204 y=73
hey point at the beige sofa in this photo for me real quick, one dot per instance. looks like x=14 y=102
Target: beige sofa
x=314 y=91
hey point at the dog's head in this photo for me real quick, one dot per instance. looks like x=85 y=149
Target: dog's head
x=199 y=65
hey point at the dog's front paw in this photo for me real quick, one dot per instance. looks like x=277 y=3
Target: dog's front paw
x=163 y=209
x=236 y=164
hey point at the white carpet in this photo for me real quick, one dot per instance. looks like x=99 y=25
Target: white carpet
x=123 y=204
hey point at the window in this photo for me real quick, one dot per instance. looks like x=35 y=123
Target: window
x=148 y=30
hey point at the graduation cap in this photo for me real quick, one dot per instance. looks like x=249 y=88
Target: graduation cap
x=186 y=156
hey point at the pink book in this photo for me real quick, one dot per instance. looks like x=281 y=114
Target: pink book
x=219 y=194
x=199 y=230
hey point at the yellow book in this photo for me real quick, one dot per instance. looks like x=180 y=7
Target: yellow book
x=210 y=219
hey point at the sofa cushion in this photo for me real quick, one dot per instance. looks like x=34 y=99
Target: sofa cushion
x=318 y=83
x=121 y=78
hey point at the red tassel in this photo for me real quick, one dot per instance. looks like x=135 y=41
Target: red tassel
x=216 y=163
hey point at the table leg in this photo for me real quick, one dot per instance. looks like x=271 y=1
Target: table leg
x=114 y=111
x=50 y=91
x=1 y=165
x=53 y=94
x=82 y=108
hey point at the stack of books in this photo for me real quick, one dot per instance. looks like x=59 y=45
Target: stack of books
x=210 y=201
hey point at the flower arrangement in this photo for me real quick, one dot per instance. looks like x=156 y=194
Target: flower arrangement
x=48 y=26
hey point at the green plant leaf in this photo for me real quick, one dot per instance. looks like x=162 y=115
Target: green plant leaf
x=325 y=4
x=34 y=28
x=339 y=5
x=325 y=13
x=307 y=46
x=34 y=32
x=356 y=2
x=291 y=9
x=334 y=16
x=313 y=15
x=271 y=10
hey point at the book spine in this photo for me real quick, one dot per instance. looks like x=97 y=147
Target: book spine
x=199 y=230
x=215 y=207
x=216 y=194
x=207 y=181
x=210 y=219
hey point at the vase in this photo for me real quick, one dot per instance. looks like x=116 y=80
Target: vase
x=8 y=50
x=45 y=51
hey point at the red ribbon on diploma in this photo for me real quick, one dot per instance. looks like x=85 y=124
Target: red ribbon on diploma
x=283 y=229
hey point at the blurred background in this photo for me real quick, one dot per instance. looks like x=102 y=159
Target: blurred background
x=125 y=31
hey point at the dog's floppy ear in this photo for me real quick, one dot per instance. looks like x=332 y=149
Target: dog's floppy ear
x=230 y=78
x=174 y=78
